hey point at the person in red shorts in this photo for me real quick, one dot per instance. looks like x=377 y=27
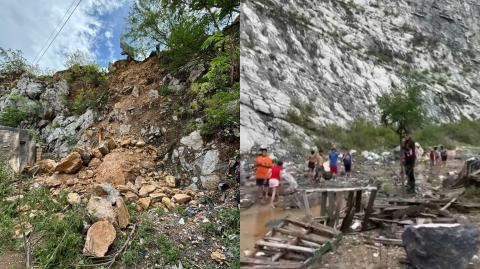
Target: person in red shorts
x=333 y=157
x=274 y=181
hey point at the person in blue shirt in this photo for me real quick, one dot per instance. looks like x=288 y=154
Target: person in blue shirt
x=333 y=157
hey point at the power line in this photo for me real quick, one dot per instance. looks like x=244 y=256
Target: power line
x=54 y=30
x=51 y=42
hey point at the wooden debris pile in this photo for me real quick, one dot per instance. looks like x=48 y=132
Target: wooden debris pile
x=292 y=244
x=470 y=175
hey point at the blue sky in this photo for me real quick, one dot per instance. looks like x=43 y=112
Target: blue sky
x=94 y=28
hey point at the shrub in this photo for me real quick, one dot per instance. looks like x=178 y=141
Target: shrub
x=222 y=111
x=165 y=91
x=13 y=116
x=88 y=98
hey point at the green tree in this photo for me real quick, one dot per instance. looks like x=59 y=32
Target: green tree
x=78 y=58
x=402 y=109
x=13 y=63
x=157 y=24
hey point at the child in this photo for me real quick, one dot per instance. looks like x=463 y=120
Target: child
x=274 y=181
x=347 y=163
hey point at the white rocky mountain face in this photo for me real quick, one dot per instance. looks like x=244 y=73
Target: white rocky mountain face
x=336 y=57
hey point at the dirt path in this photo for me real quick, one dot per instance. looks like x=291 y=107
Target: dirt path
x=12 y=260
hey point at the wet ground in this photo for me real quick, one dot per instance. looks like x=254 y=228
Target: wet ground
x=351 y=250
x=254 y=222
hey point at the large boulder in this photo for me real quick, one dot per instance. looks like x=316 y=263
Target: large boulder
x=46 y=166
x=440 y=246
x=70 y=164
x=193 y=140
x=101 y=209
x=99 y=238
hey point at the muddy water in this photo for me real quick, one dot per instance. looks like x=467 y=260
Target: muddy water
x=253 y=222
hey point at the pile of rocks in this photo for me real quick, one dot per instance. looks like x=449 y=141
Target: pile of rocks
x=105 y=178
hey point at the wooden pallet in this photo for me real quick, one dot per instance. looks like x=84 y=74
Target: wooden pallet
x=331 y=208
x=293 y=244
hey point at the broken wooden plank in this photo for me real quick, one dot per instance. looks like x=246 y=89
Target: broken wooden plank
x=347 y=220
x=299 y=234
x=306 y=203
x=402 y=222
x=386 y=241
x=331 y=207
x=358 y=201
x=323 y=204
x=264 y=243
x=316 y=228
x=336 y=212
x=309 y=190
x=269 y=264
x=369 y=208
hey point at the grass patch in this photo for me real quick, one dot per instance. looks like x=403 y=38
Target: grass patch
x=227 y=228
x=145 y=239
x=88 y=98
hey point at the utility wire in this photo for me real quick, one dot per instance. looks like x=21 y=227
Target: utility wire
x=51 y=42
x=56 y=29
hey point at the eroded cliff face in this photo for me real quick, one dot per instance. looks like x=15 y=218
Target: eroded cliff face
x=338 y=56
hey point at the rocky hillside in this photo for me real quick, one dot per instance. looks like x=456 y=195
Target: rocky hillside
x=329 y=60
x=128 y=170
x=139 y=103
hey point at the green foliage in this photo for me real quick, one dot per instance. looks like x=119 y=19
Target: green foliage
x=36 y=137
x=402 y=109
x=360 y=134
x=88 y=98
x=185 y=40
x=143 y=240
x=89 y=76
x=222 y=111
x=13 y=63
x=78 y=58
x=449 y=134
x=12 y=116
x=165 y=91
x=176 y=25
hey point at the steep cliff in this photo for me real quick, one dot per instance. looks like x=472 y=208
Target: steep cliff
x=330 y=60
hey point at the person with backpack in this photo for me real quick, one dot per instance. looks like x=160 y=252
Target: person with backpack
x=443 y=155
x=347 y=163
x=274 y=181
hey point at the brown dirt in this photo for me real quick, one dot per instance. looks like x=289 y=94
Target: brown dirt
x=12 y=260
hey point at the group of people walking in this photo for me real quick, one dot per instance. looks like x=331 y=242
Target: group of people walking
x=316 y=167
x=269 y=173
x=438 y=156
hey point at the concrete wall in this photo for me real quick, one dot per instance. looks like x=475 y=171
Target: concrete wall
x=17 y=147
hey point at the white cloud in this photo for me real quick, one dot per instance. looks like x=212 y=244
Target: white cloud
x=26 y=25
x=108 y=34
